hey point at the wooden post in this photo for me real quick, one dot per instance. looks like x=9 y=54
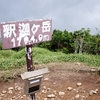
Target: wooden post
x=30 y=66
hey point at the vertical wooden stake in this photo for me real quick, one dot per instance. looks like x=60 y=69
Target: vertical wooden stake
x=30 y=66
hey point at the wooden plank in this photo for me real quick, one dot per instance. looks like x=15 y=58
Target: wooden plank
x=35 y=73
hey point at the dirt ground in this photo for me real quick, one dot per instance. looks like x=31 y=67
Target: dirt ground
x=65 y=81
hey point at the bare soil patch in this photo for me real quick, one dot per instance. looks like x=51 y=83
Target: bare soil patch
x=55 y=84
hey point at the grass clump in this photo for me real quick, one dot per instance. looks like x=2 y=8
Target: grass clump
x=6 y=53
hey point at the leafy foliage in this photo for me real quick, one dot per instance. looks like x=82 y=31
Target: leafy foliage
x=79 y=41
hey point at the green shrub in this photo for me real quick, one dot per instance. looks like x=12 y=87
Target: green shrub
x=65 y=50
x=0 y=46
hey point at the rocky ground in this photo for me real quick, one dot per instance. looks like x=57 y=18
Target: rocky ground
x=66 y=81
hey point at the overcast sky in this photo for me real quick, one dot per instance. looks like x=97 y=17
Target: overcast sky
x=65 y=14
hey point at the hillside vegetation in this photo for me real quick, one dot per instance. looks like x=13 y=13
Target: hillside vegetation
x=11 y=59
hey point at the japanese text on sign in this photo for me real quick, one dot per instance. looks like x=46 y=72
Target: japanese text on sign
x=17 y=34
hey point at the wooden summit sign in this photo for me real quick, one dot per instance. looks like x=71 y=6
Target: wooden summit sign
x=22 y=33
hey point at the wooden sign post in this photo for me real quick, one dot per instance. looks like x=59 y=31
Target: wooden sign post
x=30 y=66
x=26 y=33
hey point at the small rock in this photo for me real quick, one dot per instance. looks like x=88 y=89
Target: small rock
x=10 y=88
x=21 y=97
x=91 y=93
x=13 y=97
x=54 y=83
x=78 y=63
x=24 y=95
x=4 y=92
x=44 y=87
x=19 y=88
x=77 y=96
x=55 y=92
x=16 y=87
x=46 y=79
x=43 y=91
x=51 y=96
x=79 y=84
x=10 y=92
x=93 y=69
x=96 y=90
x=69 y=88
x=61 y=93
x=76 y=90
x=83 y=97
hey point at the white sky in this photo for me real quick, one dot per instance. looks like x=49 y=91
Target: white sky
x=65 y=14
